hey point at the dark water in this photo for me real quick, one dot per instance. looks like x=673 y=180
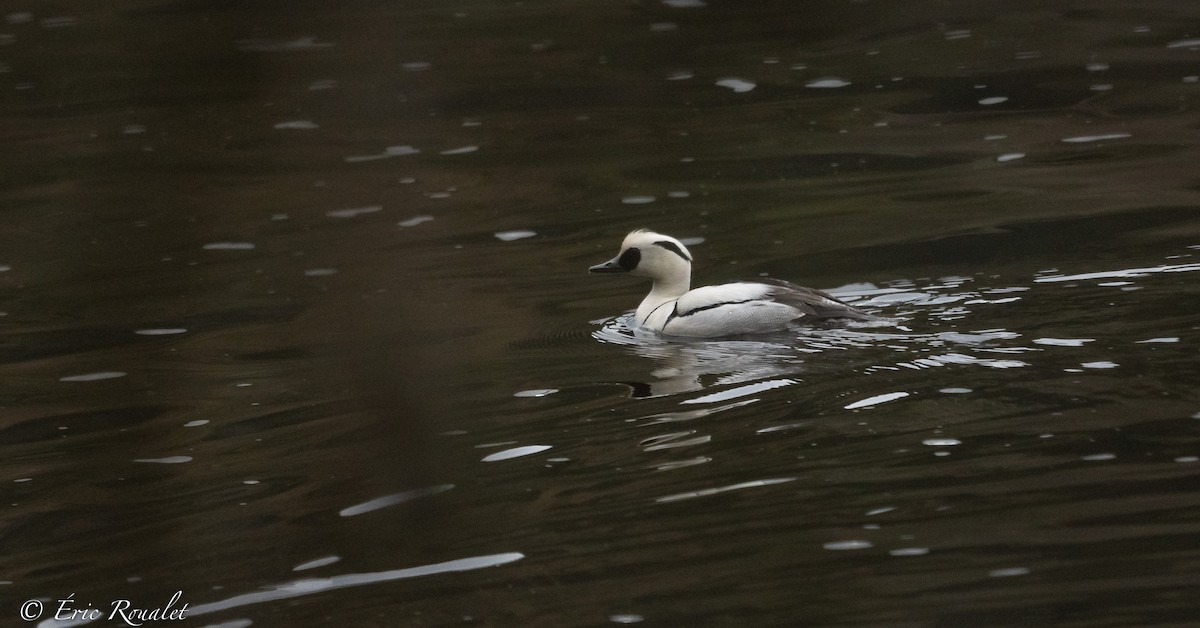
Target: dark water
x=295 y=318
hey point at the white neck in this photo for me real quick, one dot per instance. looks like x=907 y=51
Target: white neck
x=663 y=291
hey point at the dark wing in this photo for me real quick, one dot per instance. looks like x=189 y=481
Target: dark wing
x=814 y=303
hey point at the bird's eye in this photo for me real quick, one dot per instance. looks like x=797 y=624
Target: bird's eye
x=630 y=258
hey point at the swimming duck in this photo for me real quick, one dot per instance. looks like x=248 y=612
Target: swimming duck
x=728 y=309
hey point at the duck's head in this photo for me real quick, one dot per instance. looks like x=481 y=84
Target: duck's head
x=649 y=254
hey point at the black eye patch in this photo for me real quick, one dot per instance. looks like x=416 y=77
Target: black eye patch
x=630 y=258
x=674 y=248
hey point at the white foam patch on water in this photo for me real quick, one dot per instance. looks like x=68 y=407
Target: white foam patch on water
x=160 y=331
x=166 y=460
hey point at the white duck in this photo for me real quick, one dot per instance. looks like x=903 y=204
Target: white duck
x=723 y=310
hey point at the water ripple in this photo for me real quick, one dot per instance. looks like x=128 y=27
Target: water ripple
x=706 y=492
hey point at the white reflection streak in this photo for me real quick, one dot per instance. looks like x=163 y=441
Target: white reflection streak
x=741 y=391
x=720 y=489
x=308 y=586
x=1125 y=274
x=876 y=400
x=516 y=452
x=393 y=499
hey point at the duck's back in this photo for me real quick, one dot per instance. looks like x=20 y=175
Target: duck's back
x=751 y=307
x=816 y=304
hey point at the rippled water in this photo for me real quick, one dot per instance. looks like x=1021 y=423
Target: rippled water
x=295 y=319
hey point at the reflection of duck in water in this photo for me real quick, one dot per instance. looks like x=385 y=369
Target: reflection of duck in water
x=724 y=310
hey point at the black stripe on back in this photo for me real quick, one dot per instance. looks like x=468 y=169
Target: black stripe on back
x=716 y=305
x=674 y=309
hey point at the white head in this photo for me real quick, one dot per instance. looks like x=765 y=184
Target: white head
x=659 y=257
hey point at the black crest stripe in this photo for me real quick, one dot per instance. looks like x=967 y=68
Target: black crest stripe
x=674 y=248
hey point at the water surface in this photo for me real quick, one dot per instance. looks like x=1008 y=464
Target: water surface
x=296 y=318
